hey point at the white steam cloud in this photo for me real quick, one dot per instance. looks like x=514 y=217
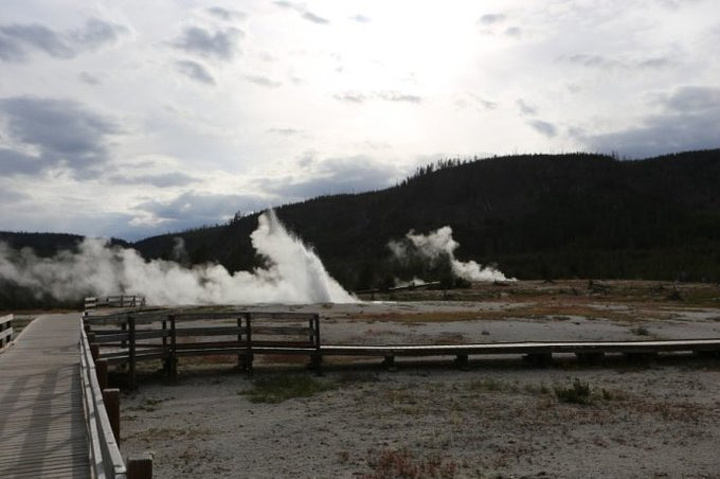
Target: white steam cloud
x=438 y=244
x=294 y=273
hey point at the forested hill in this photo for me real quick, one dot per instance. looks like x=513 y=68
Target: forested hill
x=534 y=216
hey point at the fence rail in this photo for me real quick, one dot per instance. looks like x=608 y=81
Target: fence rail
x=103 y=429
x=6 y=330
x=105 y=458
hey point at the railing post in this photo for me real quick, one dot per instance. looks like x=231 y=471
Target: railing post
x=6 y=330
x=316 y=358
x=94 y=349
x=241 y=357
x=131 y=352
x=139 y=468
x=111 y=398
x=248 y=337
x=173 y=348
x=165 y=351
x=462 y=362
x=123 y=328
x=101 y=371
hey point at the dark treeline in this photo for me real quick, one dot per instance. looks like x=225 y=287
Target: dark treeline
x=534 y=216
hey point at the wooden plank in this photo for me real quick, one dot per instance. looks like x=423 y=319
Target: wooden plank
x=282 y=330
x=211 y=352
x=105 y=337
x=282 y=316
x=281 y=344
x=211 y=345
x=211 y=331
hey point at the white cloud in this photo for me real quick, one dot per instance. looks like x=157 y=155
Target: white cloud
x=689 y=120
x=195 y=71
x=19 y=40
x=148 y=103
x=50 y=135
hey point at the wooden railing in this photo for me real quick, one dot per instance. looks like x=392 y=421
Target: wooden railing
x=6 y=330
x=103 y=429
x=117 y=301
x=138 y=336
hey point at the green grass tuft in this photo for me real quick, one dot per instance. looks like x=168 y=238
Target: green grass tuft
x=280 y=388
x=578 y=393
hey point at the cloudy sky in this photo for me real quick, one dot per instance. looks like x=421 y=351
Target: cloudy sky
x=135 y=118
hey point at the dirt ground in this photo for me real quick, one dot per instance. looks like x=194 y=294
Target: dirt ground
x=501 y=418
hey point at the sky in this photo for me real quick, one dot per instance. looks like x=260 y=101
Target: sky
x=136 y=118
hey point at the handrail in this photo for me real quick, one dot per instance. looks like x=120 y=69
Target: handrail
x=6 y=330
x=105 y=457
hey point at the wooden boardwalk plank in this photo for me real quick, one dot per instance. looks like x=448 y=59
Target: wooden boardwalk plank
x=42 y=425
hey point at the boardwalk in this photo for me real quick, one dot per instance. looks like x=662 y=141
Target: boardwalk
x=42 y=426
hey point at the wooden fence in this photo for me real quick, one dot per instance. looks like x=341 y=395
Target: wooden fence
x=117 y=301
x=129 y=337
x=102 y=420
x=6 y=330
x=137 y=336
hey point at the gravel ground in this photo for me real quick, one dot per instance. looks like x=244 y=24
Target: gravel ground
x=499 y=419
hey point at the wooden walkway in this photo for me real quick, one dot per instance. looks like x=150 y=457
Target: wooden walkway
x=42 y=425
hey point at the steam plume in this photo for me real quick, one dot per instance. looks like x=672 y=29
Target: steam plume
x=440 y=244
x=294 y=273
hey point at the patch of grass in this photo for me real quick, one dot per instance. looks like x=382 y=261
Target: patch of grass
x=210 y=360
x=488 y=384
x=284 y=359
x=495 y=385
x=612 y=395
x=403 y=464
x=577 y=393
x=280 y=388
x=640 y=331
x=148 y=404
x=537 y=389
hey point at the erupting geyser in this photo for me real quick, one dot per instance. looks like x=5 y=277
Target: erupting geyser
x=440 y=244
x=294 y=273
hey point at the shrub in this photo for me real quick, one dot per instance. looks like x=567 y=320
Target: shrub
x=578 y=393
